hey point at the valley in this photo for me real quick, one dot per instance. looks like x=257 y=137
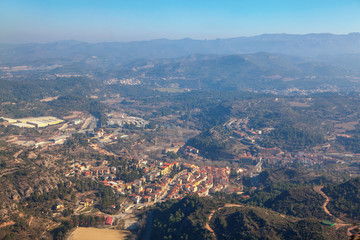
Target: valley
x=197 y=145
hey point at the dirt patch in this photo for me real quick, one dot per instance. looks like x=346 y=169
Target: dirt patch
x=347 y=126
x=75 y=114
x=49 y=99
x=5 y=224
x=32 y=155
x=82 y=233
x=299 y=104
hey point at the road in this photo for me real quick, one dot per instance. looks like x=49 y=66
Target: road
x=8 y=171
x=339 y=223
x=207 y=226
x=318 y=189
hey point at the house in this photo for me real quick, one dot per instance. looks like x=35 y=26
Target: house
x=87 y=202
x=138 y=182
x=108 y=220
x=58 y=206
x=203 y=192
x=100 y=170
x=192 y=150
x=136 y=198
x=147 y=199
x=113 y=170
x=120 y=189
x=138 y=189
x=150 y=177
x=165 y=170
x=148 y=190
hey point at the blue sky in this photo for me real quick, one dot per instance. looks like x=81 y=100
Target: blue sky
x=133 y=20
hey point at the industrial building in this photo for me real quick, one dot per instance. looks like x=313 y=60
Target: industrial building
x=38 y=122
x=23 y=125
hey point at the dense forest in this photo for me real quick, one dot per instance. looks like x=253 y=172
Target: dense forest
x=212 y=142
x=300 y=202
x=291 y=138
x=256 y=223
x=184 y=219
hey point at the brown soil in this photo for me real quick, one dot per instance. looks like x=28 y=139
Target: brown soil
x=82 y=233
x=5 y=224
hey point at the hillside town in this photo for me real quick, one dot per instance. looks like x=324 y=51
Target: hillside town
x=162 y=180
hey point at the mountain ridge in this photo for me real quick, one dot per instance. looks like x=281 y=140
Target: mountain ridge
x=306 y=45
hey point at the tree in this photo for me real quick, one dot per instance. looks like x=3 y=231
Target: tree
x=233 y=173
x=73 y=197
x=3 y=164
x=172 y=155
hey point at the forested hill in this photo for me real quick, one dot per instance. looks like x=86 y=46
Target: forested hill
x=345 y=199
x=184 y=219
x=257 y=223
x=240 y=71
x=187 y=218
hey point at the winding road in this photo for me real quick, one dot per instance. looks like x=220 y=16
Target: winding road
x=339 y=223
x=318 y=189
x=207 y=226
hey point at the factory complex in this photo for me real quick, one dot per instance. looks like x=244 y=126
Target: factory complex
x=34 y=122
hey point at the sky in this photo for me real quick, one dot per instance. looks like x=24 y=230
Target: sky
x=24 y=21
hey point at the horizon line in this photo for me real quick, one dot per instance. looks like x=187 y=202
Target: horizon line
x=180 y=39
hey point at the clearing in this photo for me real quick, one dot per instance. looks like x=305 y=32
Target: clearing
x=83 y=233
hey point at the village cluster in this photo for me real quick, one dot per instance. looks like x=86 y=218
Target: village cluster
x=273 y=157
x=162 y=180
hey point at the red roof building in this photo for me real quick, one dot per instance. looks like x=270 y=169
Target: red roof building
x=108 y=220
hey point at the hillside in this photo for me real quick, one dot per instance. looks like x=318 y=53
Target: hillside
x=249 y=71
x=32 y=185
x=256 y=223
x=345 y=199
x=289 y=176
x=300 y=202
x=184 y=219
x=289 y=191
x=187 y=218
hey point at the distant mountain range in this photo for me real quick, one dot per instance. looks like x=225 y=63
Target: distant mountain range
x=308 y=45
x=265 y=62
x=258 y=71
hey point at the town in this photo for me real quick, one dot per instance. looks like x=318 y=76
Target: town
x=161 y=179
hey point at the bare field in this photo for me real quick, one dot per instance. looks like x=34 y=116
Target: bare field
x=83 y=233
x=342 y=127
x=299 y=104
x=171 y=90
x=74 y=114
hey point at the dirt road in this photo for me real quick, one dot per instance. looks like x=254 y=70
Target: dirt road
x=207 y=226
x=339 y=223
x=318 y=189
